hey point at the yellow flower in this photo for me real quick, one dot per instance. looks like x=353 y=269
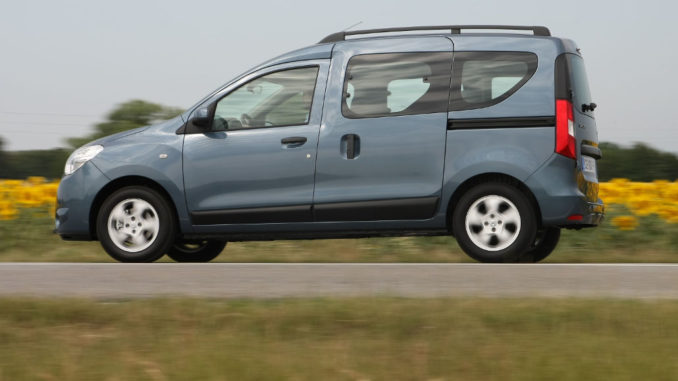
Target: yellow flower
x=36 y=180
x=643 y=204
x=7 y=210
x=625 y=222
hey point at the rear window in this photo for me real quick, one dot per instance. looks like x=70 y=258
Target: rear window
x=581 y=95
x=396 y=84
x=482 y=79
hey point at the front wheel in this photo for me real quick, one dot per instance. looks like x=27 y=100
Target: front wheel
x=494 y=222
x=136 y=224
x=196 y=251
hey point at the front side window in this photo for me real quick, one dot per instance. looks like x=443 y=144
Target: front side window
x=396 y=84
x=482 y=79
x=283 y=98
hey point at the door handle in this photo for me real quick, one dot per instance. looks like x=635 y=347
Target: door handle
x=350 y=146
x=293 y=141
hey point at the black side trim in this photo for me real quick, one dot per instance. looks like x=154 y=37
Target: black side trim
x=398 y=209
x=297 y=213
x=314 y=234
x=465 y=124
x=592 y=151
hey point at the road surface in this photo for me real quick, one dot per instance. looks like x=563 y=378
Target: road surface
x=112 y=280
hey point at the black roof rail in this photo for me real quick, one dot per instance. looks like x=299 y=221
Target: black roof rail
x=454 y=29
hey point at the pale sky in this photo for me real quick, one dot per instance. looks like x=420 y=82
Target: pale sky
x=65 y=64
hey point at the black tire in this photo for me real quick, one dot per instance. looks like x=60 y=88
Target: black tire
x=139 y=207
x=501 y=223
x=544 y=244
x=196 y=251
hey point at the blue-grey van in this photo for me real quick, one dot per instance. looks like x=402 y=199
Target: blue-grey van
x=483 y=132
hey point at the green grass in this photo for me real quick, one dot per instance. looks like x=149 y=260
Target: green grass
x=30 y=239
x=338 y=339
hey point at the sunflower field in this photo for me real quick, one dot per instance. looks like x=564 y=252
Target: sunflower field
x=35 y=194
x=637 y=199
x=641 y=225
x=640 y=199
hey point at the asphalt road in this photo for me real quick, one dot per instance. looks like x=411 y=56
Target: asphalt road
x=314 y=280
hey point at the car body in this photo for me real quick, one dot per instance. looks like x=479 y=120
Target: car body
x=375 y=136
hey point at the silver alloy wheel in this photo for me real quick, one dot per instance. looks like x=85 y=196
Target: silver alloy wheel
x=133 y=225
x=492 y=223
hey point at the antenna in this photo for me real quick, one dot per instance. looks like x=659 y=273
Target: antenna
x=352 y=26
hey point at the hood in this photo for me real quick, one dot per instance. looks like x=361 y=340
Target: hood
x=110 y=138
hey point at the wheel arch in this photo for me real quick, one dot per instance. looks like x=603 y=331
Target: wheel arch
x=120 y=183
x=485 y=178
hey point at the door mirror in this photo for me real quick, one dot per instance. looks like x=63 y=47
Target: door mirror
x=201 y=117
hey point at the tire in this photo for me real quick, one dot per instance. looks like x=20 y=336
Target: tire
x=494 y=222
x=136 y=224
x=544 y=244
x=196 y=251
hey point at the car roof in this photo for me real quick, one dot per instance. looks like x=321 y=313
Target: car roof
x=323 y=49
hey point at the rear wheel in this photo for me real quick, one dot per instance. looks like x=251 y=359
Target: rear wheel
x=494 y=222
x=544 y=244
x=136 y=224
x=196 y=251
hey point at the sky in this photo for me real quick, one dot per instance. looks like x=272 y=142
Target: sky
x=65 y=64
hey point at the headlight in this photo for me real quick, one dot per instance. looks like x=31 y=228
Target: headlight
x=80 y=157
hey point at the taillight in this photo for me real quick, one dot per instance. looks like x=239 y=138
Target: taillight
x=565 y=142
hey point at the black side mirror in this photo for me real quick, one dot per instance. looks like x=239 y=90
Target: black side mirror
x=201 y=117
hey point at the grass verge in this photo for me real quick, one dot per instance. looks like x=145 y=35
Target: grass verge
x=338 y=339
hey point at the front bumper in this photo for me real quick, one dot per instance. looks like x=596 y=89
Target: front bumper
x=75 y=198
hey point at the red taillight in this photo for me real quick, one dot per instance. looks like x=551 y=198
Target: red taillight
x=575 y=217
x=565 y=142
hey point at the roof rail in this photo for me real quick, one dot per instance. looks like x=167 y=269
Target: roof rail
x=454 y=29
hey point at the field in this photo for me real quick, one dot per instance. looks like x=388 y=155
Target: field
x=641 y=226
x=346 y=338
x=340 y=339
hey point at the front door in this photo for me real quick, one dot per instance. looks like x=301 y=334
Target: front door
x=256 y=162
x=382 y=144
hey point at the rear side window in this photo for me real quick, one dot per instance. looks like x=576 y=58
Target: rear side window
x=482 y=79
x=396 y=84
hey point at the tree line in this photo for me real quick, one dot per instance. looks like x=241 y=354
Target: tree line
x=50 y=163
x=639 y=162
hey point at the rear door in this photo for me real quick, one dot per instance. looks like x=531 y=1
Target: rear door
x=382 y=142
x=585 y=129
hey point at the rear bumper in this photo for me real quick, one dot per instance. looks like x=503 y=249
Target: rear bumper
x=572 y=212
x=592 y=214
x=564 y=198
